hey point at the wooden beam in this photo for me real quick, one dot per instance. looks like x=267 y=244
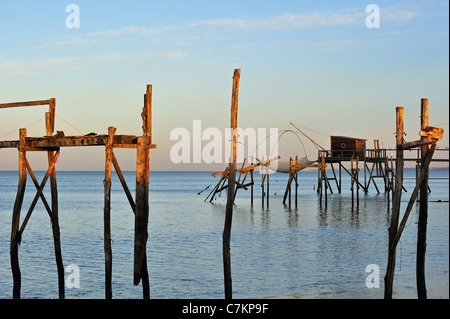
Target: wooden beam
x=20 y=104
x=36 y=198
x=424 y=141
x=67 y=141
x=414 y=194
x=124 y=183
x=36 y=184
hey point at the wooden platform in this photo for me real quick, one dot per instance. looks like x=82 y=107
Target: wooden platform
x=50 y=142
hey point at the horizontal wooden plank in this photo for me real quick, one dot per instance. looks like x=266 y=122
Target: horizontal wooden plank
x=88 y=140
x=20 y=104
x=9 y=144
x=418 y=143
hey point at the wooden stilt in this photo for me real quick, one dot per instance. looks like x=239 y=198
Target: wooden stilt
x=268 y=183
x=396 y=201
x=15 y=235
x=50 y=126
x=263 y=178
x=352 y=184
x=423 y=210
x=231 y=183
x=142 y=189
x=107 y=212
x=357 y=181
x=141 y=216
x=296 y=182
x=251 y=194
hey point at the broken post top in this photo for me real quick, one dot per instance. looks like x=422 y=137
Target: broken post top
x=147 y=113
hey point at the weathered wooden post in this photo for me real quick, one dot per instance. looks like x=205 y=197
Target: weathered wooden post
x=251 y=194
x=15 y=239
x=357 y=181
x=107 y=212
x=142 y=189
x=423 y=210
x=50 y=128
x=296 y=181
x=231 y=183
x=396 y=201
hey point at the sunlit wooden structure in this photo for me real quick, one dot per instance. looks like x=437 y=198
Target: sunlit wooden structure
x=429 y=136
x=52 y=143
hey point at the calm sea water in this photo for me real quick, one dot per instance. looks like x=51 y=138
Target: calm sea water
x=304 y=252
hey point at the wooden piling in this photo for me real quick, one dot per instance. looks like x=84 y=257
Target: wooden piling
x=230 y=196
x=50 y=127
x=107 y=212
x=15 y=235
x=251 y=192
x=396 y=201
x=423 y=210
x=142 y=189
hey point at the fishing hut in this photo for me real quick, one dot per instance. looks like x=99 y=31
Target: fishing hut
x=375 y=164
x=51 y=144
x=342 y=149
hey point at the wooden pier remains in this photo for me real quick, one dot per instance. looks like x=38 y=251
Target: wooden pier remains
x=52 y=143
x=429 y=136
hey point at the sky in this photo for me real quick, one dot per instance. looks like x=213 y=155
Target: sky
x=312 y=63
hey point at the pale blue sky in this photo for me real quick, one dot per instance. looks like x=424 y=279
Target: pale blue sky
x=313 y=63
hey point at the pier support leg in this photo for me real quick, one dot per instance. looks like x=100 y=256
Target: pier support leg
x=15 y=240
x=142 y=213
x=423 y=212
x=107 y=213
x=54 y=216
x=55 y=228
x=396 y=201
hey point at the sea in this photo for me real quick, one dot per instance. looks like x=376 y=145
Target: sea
x=309 y=251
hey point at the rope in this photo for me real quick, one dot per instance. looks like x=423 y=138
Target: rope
x=27 y=126
x=69 y=124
